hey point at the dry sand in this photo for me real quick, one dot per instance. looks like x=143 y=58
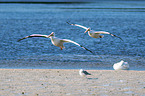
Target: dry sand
x=59 y=82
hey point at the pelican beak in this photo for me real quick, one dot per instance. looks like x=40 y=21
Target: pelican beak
x=87 y=30
x=52 y=34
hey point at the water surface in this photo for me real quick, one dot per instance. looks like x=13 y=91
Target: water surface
x=122 y=18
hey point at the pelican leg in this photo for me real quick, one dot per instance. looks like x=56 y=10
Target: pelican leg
x=61 y=47
x=101 y=36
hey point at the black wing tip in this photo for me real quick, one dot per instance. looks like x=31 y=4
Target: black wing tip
x=18 y=40
x=69 y=23
x=116 y=36
x=22 y=38
x=90 y=51
x=119 y=37
x=87 y=49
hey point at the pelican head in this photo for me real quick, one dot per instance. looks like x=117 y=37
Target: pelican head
x=87 y=30
x=52 y=34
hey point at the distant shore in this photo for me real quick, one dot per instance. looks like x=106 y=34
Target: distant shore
x=45 y=2
x=59 y=82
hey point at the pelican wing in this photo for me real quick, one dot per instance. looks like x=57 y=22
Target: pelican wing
x=33 y=35
x=78 y=25
x=70 y=41
x=103 y=32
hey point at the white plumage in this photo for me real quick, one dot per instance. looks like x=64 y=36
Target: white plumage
x=121 y=65
x=55 y=41
x=93 y=33
x=83 y=73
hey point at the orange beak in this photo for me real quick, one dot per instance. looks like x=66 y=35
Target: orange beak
x=87 y=30
x=51 y=34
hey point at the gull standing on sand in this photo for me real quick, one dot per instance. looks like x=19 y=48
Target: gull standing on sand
x=121 y=65
x=55 y=41
x=83 y=73
x=93 y=33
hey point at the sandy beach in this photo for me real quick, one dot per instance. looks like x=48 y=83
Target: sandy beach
x=35 y=67
x=63 y=82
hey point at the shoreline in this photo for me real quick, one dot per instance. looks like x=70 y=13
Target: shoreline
x=103 y=69
x=89 y=62
x=66 y=82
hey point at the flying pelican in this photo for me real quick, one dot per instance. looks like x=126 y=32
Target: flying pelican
x=93 y=33
x=121 y=65
x=83 y=73
x=55 y=41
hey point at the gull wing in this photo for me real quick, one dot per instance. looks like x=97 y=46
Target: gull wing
x=85 y=72
x=34 y=35
x=78 y=25
x=70 y=41
x=103 y=32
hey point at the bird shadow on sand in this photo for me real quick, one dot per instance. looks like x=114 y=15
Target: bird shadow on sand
x=92 y=78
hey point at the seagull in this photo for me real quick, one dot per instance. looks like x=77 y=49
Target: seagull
x=55 y=41
x=83 y=73
x=121 y=65
x=93 y=33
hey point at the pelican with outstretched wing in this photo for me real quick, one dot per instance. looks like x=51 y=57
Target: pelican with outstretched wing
x=93 y=33
x=55 y=41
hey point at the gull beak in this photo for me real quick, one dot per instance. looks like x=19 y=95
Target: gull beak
x=87 y=30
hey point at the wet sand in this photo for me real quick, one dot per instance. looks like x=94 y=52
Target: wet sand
x=60 y=82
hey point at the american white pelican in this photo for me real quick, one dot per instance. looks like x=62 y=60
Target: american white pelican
x=55 y=41
x=121 y=65
x=83 y=73
x=93 y=33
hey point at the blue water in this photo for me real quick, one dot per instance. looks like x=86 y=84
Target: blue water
x=125 y=19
